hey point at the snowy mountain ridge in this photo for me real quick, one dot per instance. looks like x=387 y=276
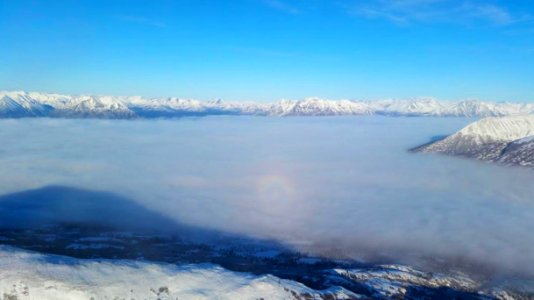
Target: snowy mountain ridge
x=501 y=129
x=15 y=104
x=508 y=140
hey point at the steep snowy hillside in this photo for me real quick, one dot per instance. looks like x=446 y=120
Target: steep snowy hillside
x=23 y=104
x=505 y=139
x=520 y=152
x=28 y=275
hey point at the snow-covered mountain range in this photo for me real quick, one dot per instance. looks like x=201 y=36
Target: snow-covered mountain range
x=507 y=140
x=16 y=104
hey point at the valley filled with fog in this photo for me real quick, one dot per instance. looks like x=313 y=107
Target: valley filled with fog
x=331 y=186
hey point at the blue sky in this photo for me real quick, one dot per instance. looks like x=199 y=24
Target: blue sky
x=271 y=49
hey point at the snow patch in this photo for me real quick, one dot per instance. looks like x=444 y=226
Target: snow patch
x=27 y=275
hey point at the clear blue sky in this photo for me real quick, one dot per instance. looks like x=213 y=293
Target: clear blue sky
x=270 y=49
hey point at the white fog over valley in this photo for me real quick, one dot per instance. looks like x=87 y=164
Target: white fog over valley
x=333 y=186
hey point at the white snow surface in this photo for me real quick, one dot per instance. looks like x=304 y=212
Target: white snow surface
x=503 y=129
x=29 y=275
x=32 y=104
x=508 y=140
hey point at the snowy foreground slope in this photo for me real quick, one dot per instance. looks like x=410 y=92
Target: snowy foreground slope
x=507 y=140
x=30 y=104
x=29 y=275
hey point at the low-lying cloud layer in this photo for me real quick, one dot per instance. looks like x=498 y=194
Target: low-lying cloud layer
x=343 y=184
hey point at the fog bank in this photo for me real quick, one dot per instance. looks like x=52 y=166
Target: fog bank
x=315 y=183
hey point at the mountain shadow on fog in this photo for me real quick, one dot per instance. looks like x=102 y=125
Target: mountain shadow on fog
x=56 y=205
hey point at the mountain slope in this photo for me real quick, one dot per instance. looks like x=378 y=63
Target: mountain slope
x=520 y=152
x=26 y=275
x=508 y=140
x=17 y=106
x=23 y=104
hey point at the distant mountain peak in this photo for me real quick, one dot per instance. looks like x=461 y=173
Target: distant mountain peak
x=507 y=140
